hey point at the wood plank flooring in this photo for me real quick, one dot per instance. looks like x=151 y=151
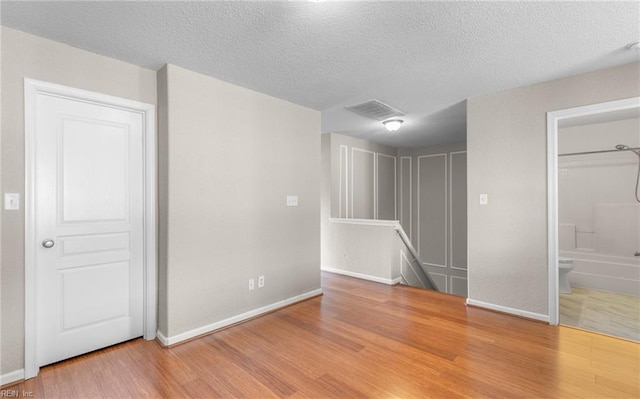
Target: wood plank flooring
x=603 y=312
x=360 y=340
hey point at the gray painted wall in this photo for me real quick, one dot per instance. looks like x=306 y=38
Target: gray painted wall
x=435 y=219
x=433 y=211
x=232 y=156
x=386 y=187
x=222 y=186
x=163 y=196
x=371 y=251
x=507 y=150
x=28 y=56
x=363 y=177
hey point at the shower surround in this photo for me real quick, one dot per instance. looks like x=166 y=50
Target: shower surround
x=599 y=216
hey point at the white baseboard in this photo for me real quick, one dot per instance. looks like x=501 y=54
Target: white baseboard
x=376 y=279
x=11 y=377
x=166 y=341
x=504 y=309
x=163 y=340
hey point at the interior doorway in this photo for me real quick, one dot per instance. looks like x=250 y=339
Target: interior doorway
x=594 y=217
x=90 y=244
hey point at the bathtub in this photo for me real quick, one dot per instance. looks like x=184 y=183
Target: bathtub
x=604 y=272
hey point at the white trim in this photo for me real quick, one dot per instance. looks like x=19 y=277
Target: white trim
x=162 y=338
x=346 y=182
x=366 y=222
x=410 y=194
x=31 y=89
x=374 y=178
x=504 y=309
x=361 y=276
x=450 y=213
x=11 y=377
x=445 y=206
x=553 y=119
x=446 y=211
x=434 y=265
x=395 y=184
x=451 y=154
x=196 y=332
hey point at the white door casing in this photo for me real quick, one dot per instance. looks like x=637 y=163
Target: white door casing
x=90 y=188
x=554 y=118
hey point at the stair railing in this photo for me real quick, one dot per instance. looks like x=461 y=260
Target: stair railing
x=415 y=263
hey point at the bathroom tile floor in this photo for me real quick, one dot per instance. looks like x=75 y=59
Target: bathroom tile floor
x=603 y=312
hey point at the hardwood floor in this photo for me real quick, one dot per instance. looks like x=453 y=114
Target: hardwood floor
x=360 y=340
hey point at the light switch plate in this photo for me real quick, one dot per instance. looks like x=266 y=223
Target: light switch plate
x=292 y=200
x=484 y=199
x=11 y=201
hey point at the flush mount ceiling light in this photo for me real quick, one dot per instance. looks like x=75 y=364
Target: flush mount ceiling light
x=393 y=124
x=634 y=46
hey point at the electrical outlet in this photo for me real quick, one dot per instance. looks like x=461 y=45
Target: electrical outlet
x=292 y=200
x=252 y=284
x=260 y=281
x=484 y=199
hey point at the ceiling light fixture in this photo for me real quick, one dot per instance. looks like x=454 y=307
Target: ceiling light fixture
x=634 y=46
x=393 y=124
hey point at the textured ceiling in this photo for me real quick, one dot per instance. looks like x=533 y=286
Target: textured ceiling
x=424 y=58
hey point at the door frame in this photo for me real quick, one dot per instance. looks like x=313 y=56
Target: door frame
x=33 y=88
x=553 y=119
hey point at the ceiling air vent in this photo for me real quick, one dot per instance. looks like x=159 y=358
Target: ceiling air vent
x=375 y=109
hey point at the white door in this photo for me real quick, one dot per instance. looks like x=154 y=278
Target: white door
x=89 y=226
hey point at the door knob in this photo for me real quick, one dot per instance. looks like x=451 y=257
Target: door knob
x=48 y=243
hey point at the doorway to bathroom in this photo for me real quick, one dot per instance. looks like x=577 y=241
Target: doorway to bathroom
x=594 y=218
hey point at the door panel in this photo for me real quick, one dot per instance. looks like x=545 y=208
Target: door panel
x=89 y=200
x=86 y=244
x=94 y=171
x=106 y=285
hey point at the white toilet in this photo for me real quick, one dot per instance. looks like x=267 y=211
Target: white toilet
x=565 y=265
